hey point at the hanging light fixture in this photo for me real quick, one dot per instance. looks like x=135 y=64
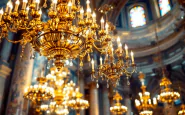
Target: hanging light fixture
x=167 y=95
x=182 y=110
x=66 y=95
x=144 y=104
x=118 y=108
x=116 y=63
x=70 y=31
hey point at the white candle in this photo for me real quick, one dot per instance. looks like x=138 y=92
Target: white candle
x=69 y=7
x=1 y=14
x=27 y=9
x=100 y=60
x=92 y=62
x=120 y=47
x=81 y=13
x=126 y=50
x=107 y=28
x=40 y=12
x=102 y=23
x=37 y=4
x=54 y=5
x=88 y=12
x=24 y=4
x=132 y=57
x=88 y=2
x=10 y=8
x=16 y=5
x=94 y=17
x=7 y=6
x=118 y=41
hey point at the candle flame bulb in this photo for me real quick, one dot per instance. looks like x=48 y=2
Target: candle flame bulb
x=92 y=62
x=126 y=50
x=132 y=57
x=102 y=23
x=1 y=13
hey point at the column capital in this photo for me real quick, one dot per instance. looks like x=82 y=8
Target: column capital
x=4 y=71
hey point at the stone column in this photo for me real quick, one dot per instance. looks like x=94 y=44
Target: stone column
x=106 y=103
x=128 y=105
x=82 y=90
x=94 y=105
x=155 y=9
x=21 y=79
x=169 y=109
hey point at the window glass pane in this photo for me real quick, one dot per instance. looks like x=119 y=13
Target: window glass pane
x=137 y=16
x=164 y=6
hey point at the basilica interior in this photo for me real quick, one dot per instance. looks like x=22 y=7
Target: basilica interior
x=92 y=57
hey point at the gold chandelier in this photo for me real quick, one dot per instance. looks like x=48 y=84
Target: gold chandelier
x=66 y=96
x=182 y=110
x=39 y=93
x=69 y=33
x=116 y=63
x=167 y=95
x=145 y=105
x=118 y=108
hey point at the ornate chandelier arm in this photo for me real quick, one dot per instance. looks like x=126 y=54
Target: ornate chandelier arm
x=98 y=49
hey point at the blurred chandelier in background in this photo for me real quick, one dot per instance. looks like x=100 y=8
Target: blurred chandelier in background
x=116 y=63
x=65 y=95
x=69 y=33
x=118 y=108
x=182 y=110
x=167 y=95
x=145 y=105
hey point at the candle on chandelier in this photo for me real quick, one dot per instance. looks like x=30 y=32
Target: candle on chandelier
x=107 y=28
x=7 y=6
x=120 y=47
x=126 y=50
x=118 y=41
x=94 y=17
x=92 y=63
x=1 y=13
x=88 y=4
x=40 y=12
x=81 y=13
x=132 y=57
x=27 y=9
x=102 y=23
x=10 y=8
x=16 y=5
x=37 y=4
x=88 y=12
x=24 y=4
x=69 y=7
x=54 y=5
x=100 y=60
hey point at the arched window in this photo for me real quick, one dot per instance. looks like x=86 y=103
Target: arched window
x=164 y=6
x=137 y=16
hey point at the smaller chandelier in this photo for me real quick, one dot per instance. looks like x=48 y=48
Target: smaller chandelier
x=145 y=105
x=167 y=94
x=39 y=93
x=182 y=111
x=116 y=63
x=118 y=108
x=78 y=103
